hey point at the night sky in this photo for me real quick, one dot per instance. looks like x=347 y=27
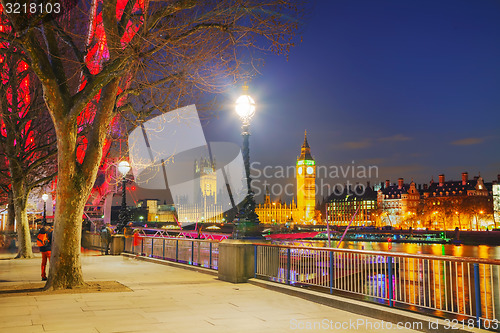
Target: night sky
x=412 y=87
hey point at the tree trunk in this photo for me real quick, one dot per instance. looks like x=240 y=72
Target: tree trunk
x=20 y=198
x=65 y=266
x=74 y=184
x=25 y=249
x=11 y=213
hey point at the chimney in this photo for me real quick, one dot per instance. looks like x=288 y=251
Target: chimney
x=387 y=183
x=465 y=178
x=419 y=187
x=426 y=186
x=400 y=183
x=441 y=180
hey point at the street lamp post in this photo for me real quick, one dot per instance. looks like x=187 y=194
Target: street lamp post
x=45 y=197
x=123 y=217
x=246 y=223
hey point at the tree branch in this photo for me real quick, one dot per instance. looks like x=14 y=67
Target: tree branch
x=111 y=70
x=41 y=181
x=79 y=55
x=137 y=91
x=40 y=64
x=127 y=12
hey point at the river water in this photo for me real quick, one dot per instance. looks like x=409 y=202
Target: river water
x=474 y=251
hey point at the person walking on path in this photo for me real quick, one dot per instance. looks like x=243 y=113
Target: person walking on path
x=106 y=237
x=44 y=242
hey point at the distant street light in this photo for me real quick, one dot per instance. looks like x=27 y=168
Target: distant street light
x=45 y=197
x=123 y=168
x=246 y=222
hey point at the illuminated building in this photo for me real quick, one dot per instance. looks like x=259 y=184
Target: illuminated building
x=276 y=212
x=397 y=204
x=496 y=203
x=205 y=207
x=304 y=212
x=206 y=182
x=444 y=205
x=341 y=207
x=466 y=204
x=306 y=183
x=158 y=213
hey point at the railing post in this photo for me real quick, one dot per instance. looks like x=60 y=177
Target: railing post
x=192 y=252
x=255 y=261
x=210 y=256
x=142 y=245
x=389 y=276
x=176 y=250
x=163 y=248
x=331 y=272
x=477 y=289
x=152 y=247
x=288 y=265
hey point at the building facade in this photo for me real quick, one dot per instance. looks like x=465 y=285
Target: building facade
x=304 y=211
x=276 y=212
x=444 y=205
x=496 y=203
x=466 y=204
x=306 y=184
x=397 y=204
x=359 y=205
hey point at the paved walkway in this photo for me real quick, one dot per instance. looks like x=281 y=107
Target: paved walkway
x=164 y=299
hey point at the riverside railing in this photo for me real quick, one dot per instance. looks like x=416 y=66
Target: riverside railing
x=197 y=252
x=466 y=288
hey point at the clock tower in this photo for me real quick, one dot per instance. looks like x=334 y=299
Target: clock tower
x=306 y=183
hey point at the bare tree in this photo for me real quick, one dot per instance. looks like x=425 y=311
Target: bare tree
x=158 y=52
x=27 y=139
x=476 y=208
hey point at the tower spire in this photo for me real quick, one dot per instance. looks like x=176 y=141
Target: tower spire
x=305 y=150
x=305 y=144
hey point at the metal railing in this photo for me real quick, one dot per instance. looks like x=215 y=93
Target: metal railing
x=95 y=241
x=197 y=252
x=468 y=288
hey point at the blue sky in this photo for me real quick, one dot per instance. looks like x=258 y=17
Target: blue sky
x=410 y=86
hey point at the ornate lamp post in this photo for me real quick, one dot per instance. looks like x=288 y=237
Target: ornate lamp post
x=247 y=221
x=45 y=197
x=123 y=168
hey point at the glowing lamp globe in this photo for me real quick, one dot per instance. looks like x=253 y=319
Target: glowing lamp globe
x=123 y=167
x=245 y=107
x=45 y=197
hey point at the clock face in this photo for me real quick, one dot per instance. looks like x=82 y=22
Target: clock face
x=300 y=170
x=309 y=170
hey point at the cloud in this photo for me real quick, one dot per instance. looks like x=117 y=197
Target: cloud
x=468 y=141
x=395 y=138
x=357 y=144
x=373 y=161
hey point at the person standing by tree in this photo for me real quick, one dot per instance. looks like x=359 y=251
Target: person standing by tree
x=44 y=242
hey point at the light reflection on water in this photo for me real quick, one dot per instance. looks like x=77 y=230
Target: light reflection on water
x=435 y=284
x=474 y=251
